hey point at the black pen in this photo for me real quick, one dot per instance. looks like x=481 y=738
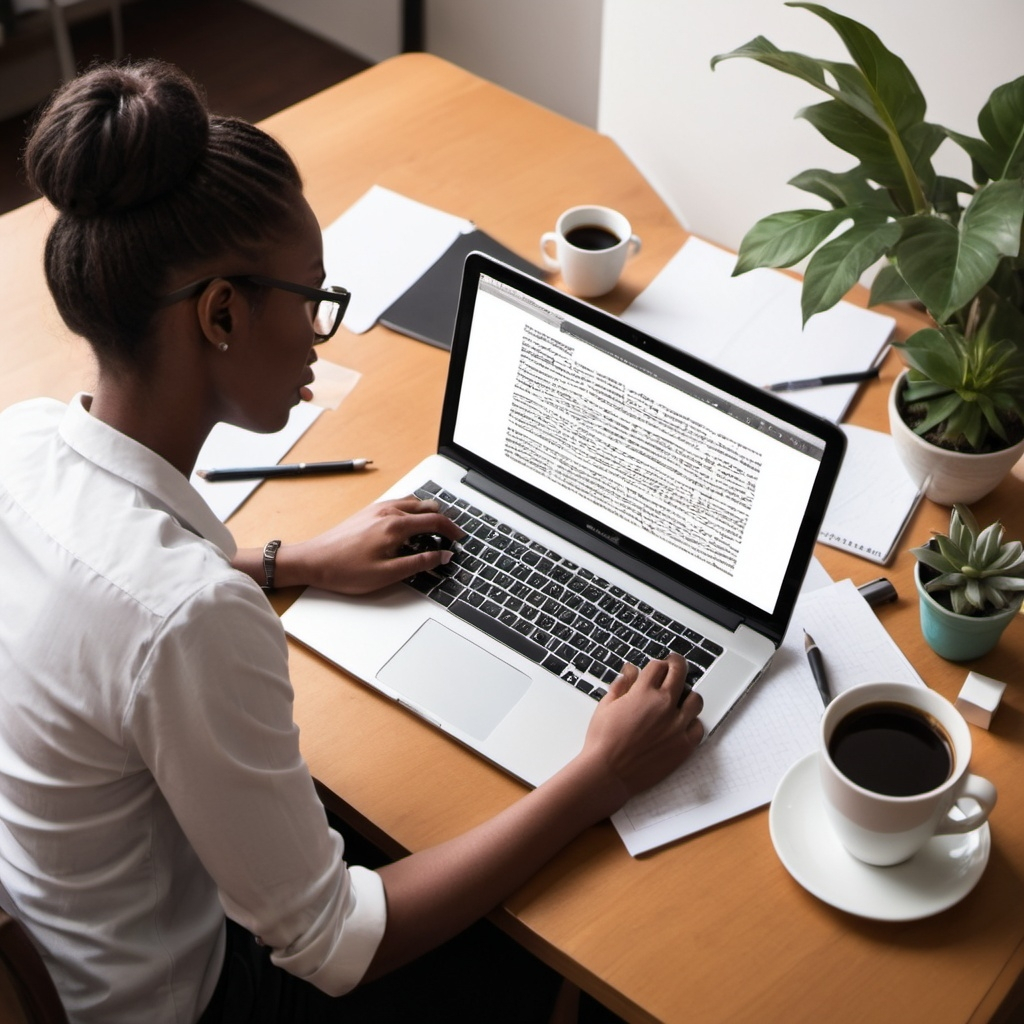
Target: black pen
x=817 y=667
x=295 y=469
x=819 y=382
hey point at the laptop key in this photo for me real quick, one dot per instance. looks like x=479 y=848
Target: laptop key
x=424 y=582
x=554 y=664
x=499 y=631
x=700 y=657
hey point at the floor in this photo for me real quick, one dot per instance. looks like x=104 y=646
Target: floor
x=250 y=63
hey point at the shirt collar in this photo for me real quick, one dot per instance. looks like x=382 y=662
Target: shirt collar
x=121 y=455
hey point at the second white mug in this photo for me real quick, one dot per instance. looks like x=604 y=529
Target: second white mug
x=590 y=247
x=884 y=798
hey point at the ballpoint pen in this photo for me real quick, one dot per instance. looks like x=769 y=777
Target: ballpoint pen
x=294 y=469
x=817 y=667
x=853 y=377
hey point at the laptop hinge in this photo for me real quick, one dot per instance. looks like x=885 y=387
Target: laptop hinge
x=604 y=550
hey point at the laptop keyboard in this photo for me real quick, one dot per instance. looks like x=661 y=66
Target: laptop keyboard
x=558 y=614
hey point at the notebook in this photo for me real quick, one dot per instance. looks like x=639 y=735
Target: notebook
x=621 y=499
x=427 y=311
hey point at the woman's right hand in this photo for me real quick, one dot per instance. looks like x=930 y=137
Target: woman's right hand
x=643 y=728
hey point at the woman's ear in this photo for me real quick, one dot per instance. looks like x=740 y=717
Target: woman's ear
x=223 y=313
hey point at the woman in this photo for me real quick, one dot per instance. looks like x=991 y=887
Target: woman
x=150 y=773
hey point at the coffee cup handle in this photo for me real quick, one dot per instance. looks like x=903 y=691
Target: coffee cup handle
x=983 y=793
x=633 y=247
x=549 y=237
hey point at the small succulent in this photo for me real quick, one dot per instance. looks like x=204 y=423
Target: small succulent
x=981 y=574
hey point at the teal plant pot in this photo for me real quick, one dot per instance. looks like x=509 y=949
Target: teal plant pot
x=958 y=637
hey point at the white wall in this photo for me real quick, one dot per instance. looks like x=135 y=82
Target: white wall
x=546 y=50
x=720 y=145
x=371 y=29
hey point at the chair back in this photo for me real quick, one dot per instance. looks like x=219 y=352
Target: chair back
x=27 y=993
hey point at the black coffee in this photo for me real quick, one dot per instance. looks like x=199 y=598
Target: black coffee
x=892 y=749
x=590 y=236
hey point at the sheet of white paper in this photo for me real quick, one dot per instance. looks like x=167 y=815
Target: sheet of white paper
x=739 y=768
x=381 y=246
x=231 y=446
x=332 y=384
x=751 y=326
x=873 y=497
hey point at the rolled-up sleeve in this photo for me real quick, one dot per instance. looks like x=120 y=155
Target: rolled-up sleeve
x=212 y=720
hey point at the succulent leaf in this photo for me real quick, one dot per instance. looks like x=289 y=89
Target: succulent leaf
x=980 y=573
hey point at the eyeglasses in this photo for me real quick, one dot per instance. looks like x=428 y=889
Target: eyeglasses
x=330 y=303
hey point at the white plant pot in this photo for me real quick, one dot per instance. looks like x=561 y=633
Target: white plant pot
x=946 y=476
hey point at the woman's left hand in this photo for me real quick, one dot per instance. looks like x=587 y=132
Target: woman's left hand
x=365 y=552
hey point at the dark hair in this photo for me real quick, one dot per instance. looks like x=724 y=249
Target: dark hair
x=146 y=182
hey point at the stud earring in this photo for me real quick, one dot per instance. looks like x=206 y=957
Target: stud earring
x=222 y=346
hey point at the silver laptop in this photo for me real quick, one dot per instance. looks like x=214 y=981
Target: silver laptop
x=621 y=500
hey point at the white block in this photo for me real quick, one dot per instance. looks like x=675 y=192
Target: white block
x=978 y=699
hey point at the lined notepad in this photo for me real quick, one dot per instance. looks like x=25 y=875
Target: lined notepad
x=873 y=497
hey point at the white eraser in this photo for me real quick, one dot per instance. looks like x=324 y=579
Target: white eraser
x=978 y=699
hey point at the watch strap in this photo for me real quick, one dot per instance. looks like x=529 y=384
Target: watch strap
x=270 y=562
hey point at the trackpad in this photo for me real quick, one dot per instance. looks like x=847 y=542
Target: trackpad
x=451 y=678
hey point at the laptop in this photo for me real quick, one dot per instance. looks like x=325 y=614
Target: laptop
x=621 y=499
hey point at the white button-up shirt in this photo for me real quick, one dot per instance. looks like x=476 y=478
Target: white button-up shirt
x=150 y=774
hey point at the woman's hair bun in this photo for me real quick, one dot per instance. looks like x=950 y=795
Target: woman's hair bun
x=117 y=137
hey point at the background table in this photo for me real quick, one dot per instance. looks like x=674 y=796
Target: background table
x=712 y=928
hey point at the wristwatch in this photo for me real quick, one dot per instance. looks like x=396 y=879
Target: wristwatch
x=270 y=562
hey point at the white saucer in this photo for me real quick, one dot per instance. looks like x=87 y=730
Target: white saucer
x=935 y=878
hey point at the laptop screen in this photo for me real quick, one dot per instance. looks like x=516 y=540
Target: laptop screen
x=651 y=451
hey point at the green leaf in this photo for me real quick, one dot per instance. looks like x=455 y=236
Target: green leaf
x=930 y=352
x=944 y=195
x=947 y=267
x=836 y=267
x=933 y=559
x=1014 y=583
x=966 y=517
x=1010 y=560
x=988 y=543
x=786 y=238
x=887 y=74
x=995 y=423
x=983 y=157
x=951 y=550
x=856 y=134
x=889 y=286
x=1002 y=126
x=938 y=411
x=846 y=188
x=766 y=52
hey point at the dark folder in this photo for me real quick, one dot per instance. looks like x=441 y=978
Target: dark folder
x=427 y=310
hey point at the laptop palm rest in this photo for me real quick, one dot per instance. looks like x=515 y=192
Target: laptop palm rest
x=446 y=676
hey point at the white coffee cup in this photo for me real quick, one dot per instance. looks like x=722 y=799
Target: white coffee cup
x=879 y=827
x=591 y=245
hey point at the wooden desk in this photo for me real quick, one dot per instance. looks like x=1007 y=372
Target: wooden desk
x=713 y=928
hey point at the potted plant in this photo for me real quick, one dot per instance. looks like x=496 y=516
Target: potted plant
x=971 y=585
x=950 y=246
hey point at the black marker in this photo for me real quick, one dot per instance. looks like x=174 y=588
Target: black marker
x=295 y=469
x=819 y=382
x=817 y=667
